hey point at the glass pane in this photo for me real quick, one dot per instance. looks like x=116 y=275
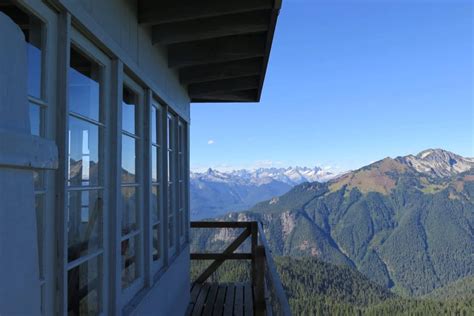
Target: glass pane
x=180 y=137
x=180 y=166
x=129 y=210
x=84 y=86
x=83 y=153
x=170 y=166
x=154 y=131
x=181 y=194
x=34 y=69
x=170 y=132
x=84 y=223
x=32 y=29
x=84 y=288
x=128 y=159
x=35 y=119
x=129 y=103
x=154 y=163
x=39 y=208
x=130 y=272
x=156 y=242
x=155 y=203
x=171 y=231
x=180 y=223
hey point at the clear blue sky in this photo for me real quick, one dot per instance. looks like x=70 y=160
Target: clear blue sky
x=348 y=83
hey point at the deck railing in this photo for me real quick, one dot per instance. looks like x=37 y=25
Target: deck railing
x=269 y=296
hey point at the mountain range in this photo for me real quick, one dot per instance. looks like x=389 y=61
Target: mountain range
x=407 y=223
x=214 y=192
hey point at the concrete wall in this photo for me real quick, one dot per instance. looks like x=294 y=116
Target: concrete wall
x=115 y=23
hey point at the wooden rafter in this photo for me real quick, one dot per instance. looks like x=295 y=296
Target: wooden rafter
x=207 y=28
x=152 y=12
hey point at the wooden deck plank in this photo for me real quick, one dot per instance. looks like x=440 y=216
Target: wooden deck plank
x=196 y=288
x=229 y=300
x=210 y=300
x=248 y=299
x=199 y=305
x=239 y=300
x=220 y=299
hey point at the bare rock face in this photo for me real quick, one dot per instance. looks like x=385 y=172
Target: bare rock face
x=288 y=223
x=438 y=162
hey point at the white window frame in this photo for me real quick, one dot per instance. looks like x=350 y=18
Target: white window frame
x=156 y=266
x=128 y=293
x=87 y=48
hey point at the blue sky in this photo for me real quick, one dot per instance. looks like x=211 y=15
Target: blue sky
x=348 y=83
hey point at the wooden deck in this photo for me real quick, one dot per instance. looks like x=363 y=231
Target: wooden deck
x=221 y=299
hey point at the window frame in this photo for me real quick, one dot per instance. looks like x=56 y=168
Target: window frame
x=160 y=131
x=84 y=46
x=128 y=293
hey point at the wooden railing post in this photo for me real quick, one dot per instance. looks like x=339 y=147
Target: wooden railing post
x=254 y=244
x=259 y=289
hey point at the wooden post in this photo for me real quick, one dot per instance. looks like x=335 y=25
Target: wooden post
x=259 y=287
x=254 y=244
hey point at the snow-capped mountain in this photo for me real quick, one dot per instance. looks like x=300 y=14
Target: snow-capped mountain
x=215 y=192
x=438 y=162
x=291 y=175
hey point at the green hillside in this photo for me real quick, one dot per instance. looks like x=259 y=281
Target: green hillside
x=405 y=230
x=315 y=287
x=461 y=289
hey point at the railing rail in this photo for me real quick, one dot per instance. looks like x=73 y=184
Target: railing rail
x=276 y=299
x=269 y=296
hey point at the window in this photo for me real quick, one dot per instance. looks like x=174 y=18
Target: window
x=182 y=189
x=131 y=203
x=85 y=216
x=171 y=190
x=156 y=172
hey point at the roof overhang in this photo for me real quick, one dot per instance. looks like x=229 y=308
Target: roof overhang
x=220 y=48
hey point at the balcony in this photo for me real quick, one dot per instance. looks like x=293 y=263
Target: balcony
x=262 y=294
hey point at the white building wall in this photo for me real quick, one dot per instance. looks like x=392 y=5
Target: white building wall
x=20 y=153
x=112 y=26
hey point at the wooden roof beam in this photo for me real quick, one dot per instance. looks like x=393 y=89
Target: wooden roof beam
x=233 y=96
x=223 y=86
x=216 y=50
x=219 y=71
x=152 y=12
x=206 y=28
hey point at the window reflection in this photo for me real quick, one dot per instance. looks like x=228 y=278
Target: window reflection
x=129 y=103
x=35 y=119
x=155 y=206
x=83 y=153
x=84 y=97
x=34 y=70
x=129 y=250
x=84 y=223
x=83 y=288
x=128 y=159
x=129 y=210
x=156 y=243
x=154 y=163
x=154 y=131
